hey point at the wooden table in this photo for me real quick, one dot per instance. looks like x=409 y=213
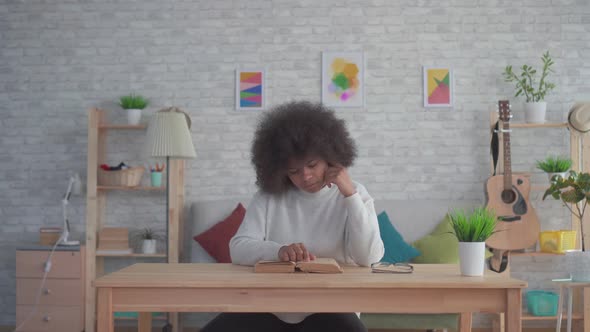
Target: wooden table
x=432 y=288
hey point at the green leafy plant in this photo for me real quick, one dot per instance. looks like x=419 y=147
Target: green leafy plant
x=554 y=164
x=476 y=227
x=574 y=191
x=133 y=101
x=526 y=83
x=148 y=234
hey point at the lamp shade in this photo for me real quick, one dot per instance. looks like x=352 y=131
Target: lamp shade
x=168 y=136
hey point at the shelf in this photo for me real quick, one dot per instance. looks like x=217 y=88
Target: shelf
x=527 y=316
x=539 y=125
x=135 y=318
x=137 y=188
x=124 y=127
x=535 y=253
x=132 y=255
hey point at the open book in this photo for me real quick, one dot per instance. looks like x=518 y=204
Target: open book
x=318 y=265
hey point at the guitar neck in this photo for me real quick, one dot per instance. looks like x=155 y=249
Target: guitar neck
x=507 y=161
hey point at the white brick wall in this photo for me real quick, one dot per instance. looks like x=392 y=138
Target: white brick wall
x=58 y=58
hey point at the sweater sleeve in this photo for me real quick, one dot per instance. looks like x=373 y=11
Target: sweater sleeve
x=363 y=240
x=249 y=244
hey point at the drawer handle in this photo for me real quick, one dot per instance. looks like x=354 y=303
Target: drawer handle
x=47 y=291
x=46 y=318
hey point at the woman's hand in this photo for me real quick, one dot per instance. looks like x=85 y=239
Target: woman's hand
x=295 y=252
x=338 y=175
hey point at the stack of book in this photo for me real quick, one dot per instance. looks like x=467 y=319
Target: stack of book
x=113 y=240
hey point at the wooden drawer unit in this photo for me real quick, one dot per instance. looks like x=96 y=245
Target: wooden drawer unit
x=50 y=318
x=64 y=264
x=61 y=303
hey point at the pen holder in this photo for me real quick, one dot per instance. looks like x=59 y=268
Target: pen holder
x=156 y=179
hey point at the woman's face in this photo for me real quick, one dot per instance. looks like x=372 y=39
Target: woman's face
x=307 y=174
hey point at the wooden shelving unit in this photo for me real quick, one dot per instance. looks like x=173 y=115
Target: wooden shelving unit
x=96 y=206
x=580 y=155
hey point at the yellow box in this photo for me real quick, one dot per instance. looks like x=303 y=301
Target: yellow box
x=557 y=241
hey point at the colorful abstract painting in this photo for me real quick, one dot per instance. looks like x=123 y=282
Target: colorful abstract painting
x=250 y=89
x=438 y=87
x=343 y=79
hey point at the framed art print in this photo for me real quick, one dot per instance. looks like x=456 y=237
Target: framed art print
x=343 y=79
x=250 y=89
x=438 y=86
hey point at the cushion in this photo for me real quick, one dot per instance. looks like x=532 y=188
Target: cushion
x=396 y=249
x=441 y=246
x=216 y=239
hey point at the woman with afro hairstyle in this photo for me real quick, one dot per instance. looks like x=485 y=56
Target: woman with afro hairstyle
x=307 y=207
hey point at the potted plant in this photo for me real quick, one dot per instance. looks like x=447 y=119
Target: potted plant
x=472 y=231
x=574 y=192
x=526 y=85
x=133 y=104
x=149 y=238
x=555 y=166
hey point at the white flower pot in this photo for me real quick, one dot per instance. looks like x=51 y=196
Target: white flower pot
x=578 y=265
x=472 y=258
x=133 y=116
x=535 y=112
x=148 y=246
x=563 y=175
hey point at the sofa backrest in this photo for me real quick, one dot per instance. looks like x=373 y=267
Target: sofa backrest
x=413 y=219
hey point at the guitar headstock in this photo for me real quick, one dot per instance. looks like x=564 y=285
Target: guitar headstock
x=504 y=110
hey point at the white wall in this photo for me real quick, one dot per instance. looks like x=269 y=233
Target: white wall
x=59 y=58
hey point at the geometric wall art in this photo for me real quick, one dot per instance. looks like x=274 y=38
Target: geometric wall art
x=438 y=86
x=343 y=79
x=250 y=89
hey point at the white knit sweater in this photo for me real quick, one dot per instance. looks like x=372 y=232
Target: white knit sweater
x=326 y=222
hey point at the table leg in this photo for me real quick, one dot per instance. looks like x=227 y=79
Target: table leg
x=104 y=316
x=465 y=322
x=570 y=303
x=559 y=309
x=145 y=322
x=513 y=310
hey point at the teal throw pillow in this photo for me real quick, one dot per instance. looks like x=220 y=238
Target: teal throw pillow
x=396 y=249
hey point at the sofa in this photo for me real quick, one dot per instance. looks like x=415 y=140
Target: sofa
x=412 y=219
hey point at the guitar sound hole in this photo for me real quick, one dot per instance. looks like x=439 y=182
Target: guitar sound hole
x=508 y=196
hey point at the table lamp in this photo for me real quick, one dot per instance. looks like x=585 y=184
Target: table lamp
x=168 y=135
x=74 y=188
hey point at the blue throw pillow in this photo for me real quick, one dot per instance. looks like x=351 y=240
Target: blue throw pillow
x=396 y=249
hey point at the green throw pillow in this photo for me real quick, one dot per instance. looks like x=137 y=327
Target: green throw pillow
x=439 y=247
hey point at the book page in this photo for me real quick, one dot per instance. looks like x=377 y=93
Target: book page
x=320 y=265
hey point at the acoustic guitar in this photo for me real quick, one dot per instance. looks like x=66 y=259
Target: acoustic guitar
x=508 y=195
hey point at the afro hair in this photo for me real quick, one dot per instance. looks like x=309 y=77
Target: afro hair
x=298 y=130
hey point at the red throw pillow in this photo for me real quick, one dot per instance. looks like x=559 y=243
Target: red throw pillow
x=216 y=239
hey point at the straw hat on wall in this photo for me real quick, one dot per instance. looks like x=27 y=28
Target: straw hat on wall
x=579 y=117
